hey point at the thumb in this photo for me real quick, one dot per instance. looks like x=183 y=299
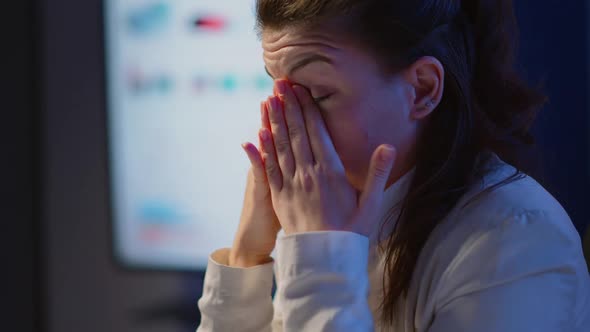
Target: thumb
x=379 y=169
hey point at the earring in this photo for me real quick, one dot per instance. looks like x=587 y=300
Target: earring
x=429 y=104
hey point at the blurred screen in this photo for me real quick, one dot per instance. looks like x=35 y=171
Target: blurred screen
x=185 y=80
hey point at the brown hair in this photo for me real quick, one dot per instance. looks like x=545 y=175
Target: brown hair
x=485 y=105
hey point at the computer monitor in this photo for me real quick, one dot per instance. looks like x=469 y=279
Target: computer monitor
x=184 y=83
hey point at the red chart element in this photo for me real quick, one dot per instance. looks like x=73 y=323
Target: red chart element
x=211 y=23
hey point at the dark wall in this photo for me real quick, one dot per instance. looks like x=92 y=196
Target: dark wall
x=20 y=278
x=86 y=290
x=554 y=50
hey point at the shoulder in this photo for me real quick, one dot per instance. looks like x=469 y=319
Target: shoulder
x=508 y=201
x=511 y=232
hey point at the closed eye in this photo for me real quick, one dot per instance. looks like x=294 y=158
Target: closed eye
x=320 y=99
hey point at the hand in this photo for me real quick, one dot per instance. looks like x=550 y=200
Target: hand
x=259 y=226
x=309 y=189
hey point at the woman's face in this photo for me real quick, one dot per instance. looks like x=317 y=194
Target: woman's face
x=362 y=109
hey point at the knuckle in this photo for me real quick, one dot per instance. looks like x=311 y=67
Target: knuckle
x=381 y=171
x=321 y=168
x=306 y=180
x=271 y=169
x=308 y=183
x=294 y=131
x=283 y=146
x=275 y=120
x=324 y=171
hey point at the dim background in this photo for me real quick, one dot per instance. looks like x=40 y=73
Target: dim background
x=58 y=273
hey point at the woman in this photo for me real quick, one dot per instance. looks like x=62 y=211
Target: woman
x=391 y=156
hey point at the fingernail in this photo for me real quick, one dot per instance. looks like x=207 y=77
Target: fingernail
x=274 y=101
x=386 y=153
x=246 y=147
x=282 y=87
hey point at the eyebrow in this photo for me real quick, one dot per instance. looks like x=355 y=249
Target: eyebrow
x=304 y=62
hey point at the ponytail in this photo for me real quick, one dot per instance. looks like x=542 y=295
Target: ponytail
x=485 y=106
x=505 y=105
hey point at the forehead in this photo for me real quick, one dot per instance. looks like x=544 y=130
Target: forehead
x=281 y=45
x=273 y=39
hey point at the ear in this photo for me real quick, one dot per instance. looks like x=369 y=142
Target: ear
x=427 y=78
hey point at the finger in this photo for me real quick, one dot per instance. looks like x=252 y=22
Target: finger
x=280 y=137
x=264 y=115
x=319 y=138
x=256 y=162
x=261 y=149
x=269 y=159
x=295 y=125
x=380 y=168
x=263 y=120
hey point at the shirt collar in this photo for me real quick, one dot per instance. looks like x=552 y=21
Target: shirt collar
x=390 y=208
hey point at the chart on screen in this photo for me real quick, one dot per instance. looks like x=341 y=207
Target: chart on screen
x=184 y=83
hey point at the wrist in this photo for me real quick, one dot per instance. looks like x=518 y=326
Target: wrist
x=240 y=258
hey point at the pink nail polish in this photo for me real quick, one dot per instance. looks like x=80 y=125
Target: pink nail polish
x=282 y=87
x=275 y=104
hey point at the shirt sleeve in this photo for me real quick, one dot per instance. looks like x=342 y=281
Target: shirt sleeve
x=236 y=299
x=323 y=282
x=322 y=286
x=522 y=275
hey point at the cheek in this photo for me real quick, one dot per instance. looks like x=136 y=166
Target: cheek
x=389 y=121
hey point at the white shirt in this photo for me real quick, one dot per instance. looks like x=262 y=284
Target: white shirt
x=509 y=261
